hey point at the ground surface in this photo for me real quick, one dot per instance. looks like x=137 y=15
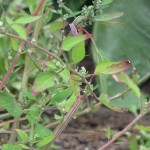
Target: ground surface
x=88 y=132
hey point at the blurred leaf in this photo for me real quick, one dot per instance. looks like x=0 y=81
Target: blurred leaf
x=108 y=67
x=126 y=41
x=57 y=117
x=123 y=77
x=61 y=96
x=32 y=5
x=11 y=147
x=65 y=75
x=133 y=143
x=24 y=146
x=70 y=102
x=70 y=41
x=141 y=127
x=10 y=104
x=20 y=30
x=26 y=19
x=23 y=135
x=104 y=100
x=56 y=26
x=45 y=140
x=107 y=17
x=33 y=114
x=42 y=82
x=106 y=2
x=109 y=133
x=41 y=132
x=78 y=52
x=14 y=43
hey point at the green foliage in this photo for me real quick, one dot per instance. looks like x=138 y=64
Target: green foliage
x=44 y=72
x=10 y=104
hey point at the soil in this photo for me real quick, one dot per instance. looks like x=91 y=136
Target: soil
x=88 y=132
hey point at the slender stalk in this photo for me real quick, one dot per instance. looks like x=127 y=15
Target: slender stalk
x=25 y=75
x=10 y=70
x=124 y=130
x=60 y=128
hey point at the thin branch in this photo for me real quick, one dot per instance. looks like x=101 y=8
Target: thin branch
x=10 y=70
x=124 y=130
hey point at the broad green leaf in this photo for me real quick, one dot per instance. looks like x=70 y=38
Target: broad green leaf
x=58 y=117
x=24 y=146
x=107 y=17
x=26 y=19
x=133 y=143
x=14 y=43
x=23 y=135
x=31 y=5
x=45 y=140
x=11 y=147
x=9 y=21
x=141 y=127
x=20 y=30
x=65 y=75
x=78 y=52
x=61 y=96
x=10 y=104
x=41 y=132
x=123 y=77
x=104 y=100
x=70 y=101
x=42 y=82
x=33 y=114
x=70 y=41
x=56 y=26
x=106 y=2
x=108 y=67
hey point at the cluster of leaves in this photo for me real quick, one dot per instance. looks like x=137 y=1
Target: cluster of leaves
x=50 y=77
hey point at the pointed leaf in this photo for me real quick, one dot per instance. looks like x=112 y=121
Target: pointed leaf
x=78 y=52
x=106 y=2
x=11 y=147
x=108 y=67
x=70 y=41
x=10 y=104
x=23 y=135
x=104 y=100
x=123 y=77
x=42 y=82
x=107 y=17
x=26 y=19
x=20 y=30
x=45 y=140
x=61 y=96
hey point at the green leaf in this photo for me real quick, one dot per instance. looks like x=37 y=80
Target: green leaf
x=57 y=117
x=24 y=146
x=65 y=75
x=61 y=96
x=23 y=135
x=70 y=102
x=31 y=5
x=45 y=140
x=78 y=52
x=105 y=100
x=20 y=30
x=26 y=19
x=56 y=26
x=133 y=143
x=10 y=104
x=33 y=114
x=41 y=132
x=107 y=17
x=106 y=2
x=123 y=77
x=11 y=147
x=108 y=67
x=70 y=41
x=141 y=127
x=42 y=82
